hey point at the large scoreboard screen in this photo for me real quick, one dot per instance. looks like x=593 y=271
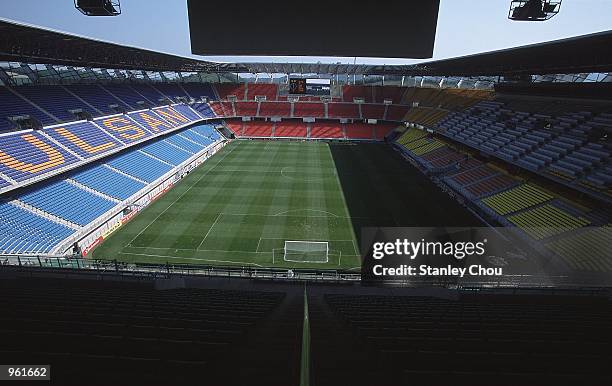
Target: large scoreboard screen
x=297 y=86
x=301 y=86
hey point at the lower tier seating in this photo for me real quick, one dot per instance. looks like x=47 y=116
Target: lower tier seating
x=521 y=197
x=84 y=195
x=586 y=250
x=68 y=202
x=546 y=221
x=23 y=232
x=326 y=130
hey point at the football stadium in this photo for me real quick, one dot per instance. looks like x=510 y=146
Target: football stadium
x=226 y=194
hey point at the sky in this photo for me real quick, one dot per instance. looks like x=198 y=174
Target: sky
x=464 y=26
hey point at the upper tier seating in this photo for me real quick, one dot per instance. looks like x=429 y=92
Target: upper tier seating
x=12 y=105
x=262 y=89
x=147 y=93
x=350 y=92
x=131 y=96
x=396 y=112
x=227 y=89
x=562 y=147
x=98 y=97
x=246 y=109
x=199 y=90
x=343 y=110
x=67 y=201
x=275 y=109
x=204 y=110
x=171 y=90
x=369 y=111
x=23 y=232
x=55 y=100
x=311 y=109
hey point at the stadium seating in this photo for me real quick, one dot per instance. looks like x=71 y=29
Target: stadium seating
x=204 y=109
x=586 y=250
x=187 y=332
x=28 y=154
x=184 y=143
x=97 y=97
x=235 y=126
x=131 y=96
x=349 y=92
x=12 y=105
x=555 y=146
x=308 y=109
x=369 y=111
x=295 y=129
x=326 y=130
x=396 y=112
x=165 y=151
x=227 y=89
x=108 y=182
x=123 y=128
x=392 y=93
x=257 y=129
x=513 y=200
x=489 y=186
x=171 y=90
x=343 y=110
x=23 y=232
x=139 y=165
x=199 y=90
x=262 y=89
x=68 y=202
x=145 y=92
x=246 y=109
x=275 y=109
x=206 y=131
x=382 y=130
x=474 y=175
x=55 y=100
x=464 y=340
x=84 y=139
x=359 y=131
x=546 y=221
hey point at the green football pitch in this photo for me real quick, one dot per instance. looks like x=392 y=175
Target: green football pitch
x=241 y=205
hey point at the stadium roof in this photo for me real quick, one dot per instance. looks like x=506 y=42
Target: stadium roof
x=30 y=44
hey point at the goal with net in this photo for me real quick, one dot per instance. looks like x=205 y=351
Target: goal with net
x=306 y=251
